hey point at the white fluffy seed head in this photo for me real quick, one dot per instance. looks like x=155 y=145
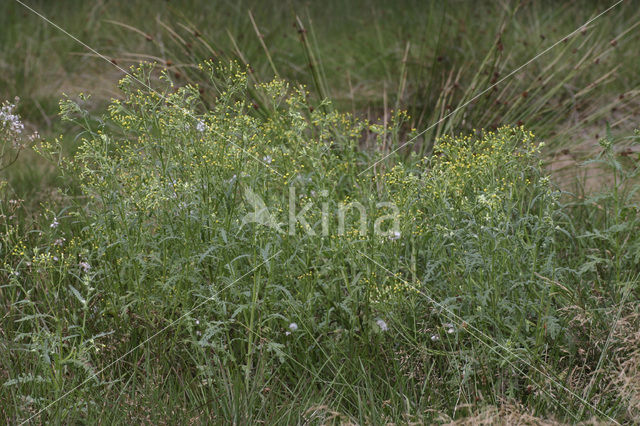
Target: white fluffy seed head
x=383 y=325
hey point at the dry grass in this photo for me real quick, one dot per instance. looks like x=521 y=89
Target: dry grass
x=625 y=380
x=508 y=413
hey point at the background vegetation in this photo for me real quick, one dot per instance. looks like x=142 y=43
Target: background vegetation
x=134 y=291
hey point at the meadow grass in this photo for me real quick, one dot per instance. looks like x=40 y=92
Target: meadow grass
x=157 y=275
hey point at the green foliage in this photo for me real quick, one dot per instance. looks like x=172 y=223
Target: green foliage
x=166 y=281
x=165 y=252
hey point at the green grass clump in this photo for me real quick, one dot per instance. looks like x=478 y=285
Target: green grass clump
x=230 y=263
